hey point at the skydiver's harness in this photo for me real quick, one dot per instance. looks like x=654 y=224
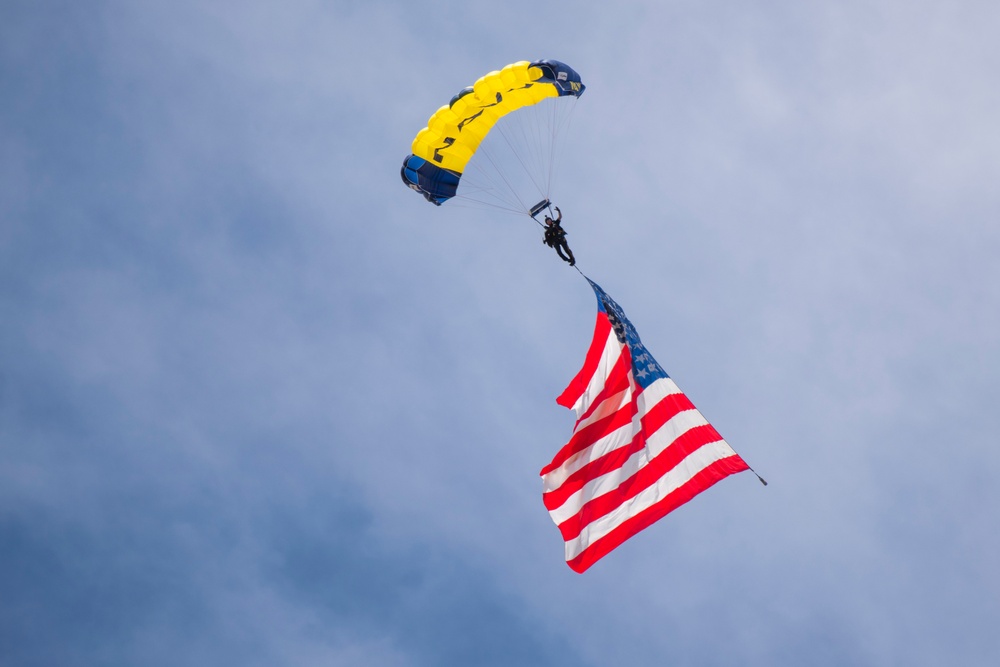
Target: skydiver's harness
x=555 y=235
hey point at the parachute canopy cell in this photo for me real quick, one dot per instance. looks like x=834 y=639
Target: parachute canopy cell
x=441 y=150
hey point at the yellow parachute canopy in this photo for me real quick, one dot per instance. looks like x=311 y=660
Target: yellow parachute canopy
x=441 y=151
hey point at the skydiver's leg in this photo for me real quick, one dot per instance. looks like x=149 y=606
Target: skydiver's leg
x=559 y=251
x=570 y=259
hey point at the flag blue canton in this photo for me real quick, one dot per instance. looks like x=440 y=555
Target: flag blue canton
x=645 y=369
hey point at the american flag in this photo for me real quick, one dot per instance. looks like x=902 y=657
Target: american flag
x=639 y=449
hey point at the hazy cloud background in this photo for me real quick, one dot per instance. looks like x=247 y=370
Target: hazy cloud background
x=261 y=404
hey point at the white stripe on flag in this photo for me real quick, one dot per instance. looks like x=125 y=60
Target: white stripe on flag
x=612 y=351
x=679 y=424
x=619 y=438
x=673 y=480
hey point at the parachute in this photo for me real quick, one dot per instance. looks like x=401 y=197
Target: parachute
x=442 y=151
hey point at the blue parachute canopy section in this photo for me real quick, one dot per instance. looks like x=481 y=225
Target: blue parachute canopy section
x=562 y=76
x=437 y=185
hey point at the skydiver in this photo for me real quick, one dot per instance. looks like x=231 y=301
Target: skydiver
x=555 y=237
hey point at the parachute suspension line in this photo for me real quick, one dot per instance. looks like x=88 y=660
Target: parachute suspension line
x=532 y=137
x=465 y=201
x=557 y=119
x=542 y=147
x=510 y=141
x=523 y=138
x=546 y=137
x=513 y=133
x=495 y=184
x=503 y=176
x=553 y=133
x=560 y=121
x=535 y=125
x=531 y=132
x=485 y=187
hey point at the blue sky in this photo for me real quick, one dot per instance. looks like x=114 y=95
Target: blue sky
x=259 y=403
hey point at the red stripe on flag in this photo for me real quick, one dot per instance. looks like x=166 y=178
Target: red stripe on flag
x=579 y=384
x=617 y=382
x=590 y=434
x=660 y=414
x=700 y=482
x=645 y=477
x=600 y=466
x=663 y=411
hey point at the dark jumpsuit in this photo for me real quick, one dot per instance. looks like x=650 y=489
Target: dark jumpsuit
x=555 y=237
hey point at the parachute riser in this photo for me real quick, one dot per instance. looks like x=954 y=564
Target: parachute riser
x=538 y=208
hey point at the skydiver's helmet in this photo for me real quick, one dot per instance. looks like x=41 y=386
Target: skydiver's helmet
x=549 y=221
